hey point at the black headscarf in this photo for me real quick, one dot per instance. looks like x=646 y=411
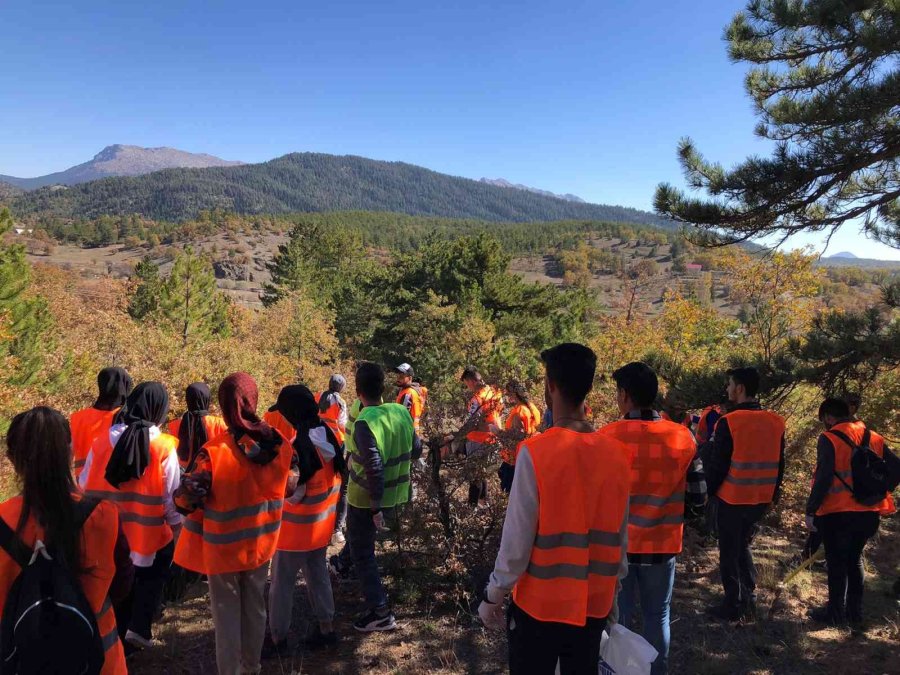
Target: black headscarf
x=298 y=406
x=147 y=406
x=114 y=385
x=192 y=430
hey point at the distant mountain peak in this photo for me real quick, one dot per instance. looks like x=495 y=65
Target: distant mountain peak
x=843 y=254
x=502 y=182
x=121 y=160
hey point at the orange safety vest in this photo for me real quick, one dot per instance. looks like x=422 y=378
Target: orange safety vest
x=98 y=544
x=215 y=426
x=331 y=417
x=141 y=502
x=277 y=421
x=703 y=430
x=86 y=425
x=531 y=420
x=237 y=528
x=490 y=403
x=309 y=524
x=582 y=483
x=417 y=409
x=839 y=497
x=756 y=436
x=661 y=451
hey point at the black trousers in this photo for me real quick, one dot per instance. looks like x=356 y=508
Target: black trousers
x=506 y=472
x=737 y=524
x=536 y=646
x=845 y=535
x=137 y=610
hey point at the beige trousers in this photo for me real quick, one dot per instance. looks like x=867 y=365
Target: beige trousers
x=238 y=605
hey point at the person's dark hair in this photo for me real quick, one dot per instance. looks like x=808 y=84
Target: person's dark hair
x=834 y=407
x=39 y=445
x=471 y=373
x=571 y=367
x=853 y=398
x=370 y=380
x=638 y=381
x=519 y=390
x=749 y=377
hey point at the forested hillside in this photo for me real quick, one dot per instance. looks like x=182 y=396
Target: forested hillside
x=312 y=182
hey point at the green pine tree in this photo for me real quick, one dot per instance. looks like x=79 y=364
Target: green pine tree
x=27 y=321
x=826 y=89
x=190 y=302
x=143 y=299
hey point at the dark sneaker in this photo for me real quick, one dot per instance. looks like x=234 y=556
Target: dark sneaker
x=748 y=611
x=374 y=621
x=827 y=616
x=273 y=650
x=724 y=612
x=320 y=640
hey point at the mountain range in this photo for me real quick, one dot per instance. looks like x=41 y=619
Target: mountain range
x=307 y=182
x=120 y=160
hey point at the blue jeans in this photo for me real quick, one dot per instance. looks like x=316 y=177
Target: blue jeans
x=361 y=542
x=654 y=585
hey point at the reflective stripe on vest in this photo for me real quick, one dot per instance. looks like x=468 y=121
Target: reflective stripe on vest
x=141 y=502
x=756 y=441
x=87 y=425
x=309 y=524
x=237 y=528
x=662 y=452
x=840 y=498
x=391 y=426
x=582 y=483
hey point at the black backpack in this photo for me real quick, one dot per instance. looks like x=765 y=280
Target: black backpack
x=871 y=478
x=48 y=625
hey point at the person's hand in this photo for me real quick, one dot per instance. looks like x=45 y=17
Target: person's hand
x=448 y=439
x=491 y=615
x=378 y=520
x=810 y=524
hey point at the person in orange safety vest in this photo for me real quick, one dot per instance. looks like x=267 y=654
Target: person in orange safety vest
x=136 y=466
x=666 y=472
x=744 y=466
x=410 y=395
x=523 y=422
x=333 y=408
x=114 y=385
x=235 y=497
x=38 y=447
x=562 y=550
x=307 y=524
x=196 y=426
x=846 y=523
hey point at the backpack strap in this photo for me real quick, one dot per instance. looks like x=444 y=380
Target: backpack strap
x=83 y=509
x=14 y=546
x=853 y=446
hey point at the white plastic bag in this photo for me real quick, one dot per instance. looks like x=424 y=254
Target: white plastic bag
x=623 y=652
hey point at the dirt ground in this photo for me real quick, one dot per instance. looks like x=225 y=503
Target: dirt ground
x=439 y=635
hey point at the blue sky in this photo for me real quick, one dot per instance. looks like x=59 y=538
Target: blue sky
x=582 y=97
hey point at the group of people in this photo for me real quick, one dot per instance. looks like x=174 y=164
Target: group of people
x=593 y=525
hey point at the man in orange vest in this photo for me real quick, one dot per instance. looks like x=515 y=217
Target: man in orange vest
x=333 y=408
x=744 y=465
x=563 y=546
x=410 y=395
x=846 y=524
x=666 y=472
x=707 y=422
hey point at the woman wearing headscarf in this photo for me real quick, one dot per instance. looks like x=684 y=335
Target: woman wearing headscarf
x=307 y=523
x=114 y=385
x=333 y=408
x=136 y=466
x=197 y=425
x=234 y=495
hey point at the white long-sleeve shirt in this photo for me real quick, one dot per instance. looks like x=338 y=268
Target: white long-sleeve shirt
x=171 y=481
x=520 y=529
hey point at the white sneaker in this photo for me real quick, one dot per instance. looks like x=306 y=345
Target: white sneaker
x=137 y=640
x=338 y=538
